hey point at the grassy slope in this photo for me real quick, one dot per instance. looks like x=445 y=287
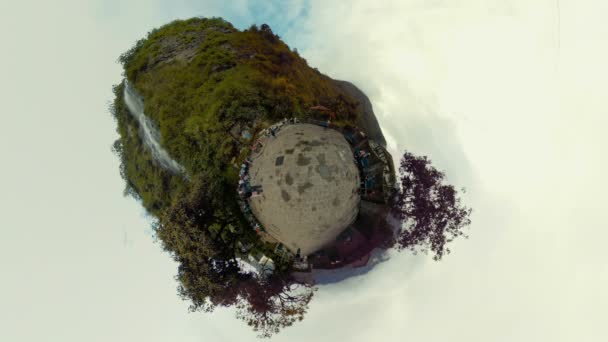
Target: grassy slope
x=231 y=77
x=199 y=78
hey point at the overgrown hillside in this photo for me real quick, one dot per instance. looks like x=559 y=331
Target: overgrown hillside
x=206 y=85
x=202 y=90
x=202 y=80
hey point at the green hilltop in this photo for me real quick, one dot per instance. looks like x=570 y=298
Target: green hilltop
x=209 y=89
x=202 y=78
x=204 y=82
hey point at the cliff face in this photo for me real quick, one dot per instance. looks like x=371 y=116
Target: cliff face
x=366 y=118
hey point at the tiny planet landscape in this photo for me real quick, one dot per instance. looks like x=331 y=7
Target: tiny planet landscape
x=303 y=170
x=262 y=172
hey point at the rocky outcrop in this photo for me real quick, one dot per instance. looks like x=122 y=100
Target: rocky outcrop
x=368 y=120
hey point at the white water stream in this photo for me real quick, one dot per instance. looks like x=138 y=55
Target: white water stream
x=149 y=134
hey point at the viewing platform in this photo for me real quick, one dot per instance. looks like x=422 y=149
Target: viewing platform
x=319 y=192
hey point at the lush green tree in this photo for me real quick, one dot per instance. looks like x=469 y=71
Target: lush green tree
x=431 y=211
x=209 y=274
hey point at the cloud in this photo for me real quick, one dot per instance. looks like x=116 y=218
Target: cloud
x=492 y=92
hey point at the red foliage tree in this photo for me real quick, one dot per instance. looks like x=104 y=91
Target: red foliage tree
x=273 y=303
x=431 y=212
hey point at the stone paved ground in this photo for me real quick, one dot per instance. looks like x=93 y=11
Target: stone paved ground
x=310 y=186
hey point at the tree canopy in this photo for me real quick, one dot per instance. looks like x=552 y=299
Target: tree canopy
x=431 y=211
x=209 y=274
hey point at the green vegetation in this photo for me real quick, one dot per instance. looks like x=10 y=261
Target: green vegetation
x=205 y=82
x=202 y=77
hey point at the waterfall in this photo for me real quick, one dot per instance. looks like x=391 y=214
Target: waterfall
x=149 y=134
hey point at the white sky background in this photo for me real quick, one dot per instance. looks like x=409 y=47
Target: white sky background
x=506 y=96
